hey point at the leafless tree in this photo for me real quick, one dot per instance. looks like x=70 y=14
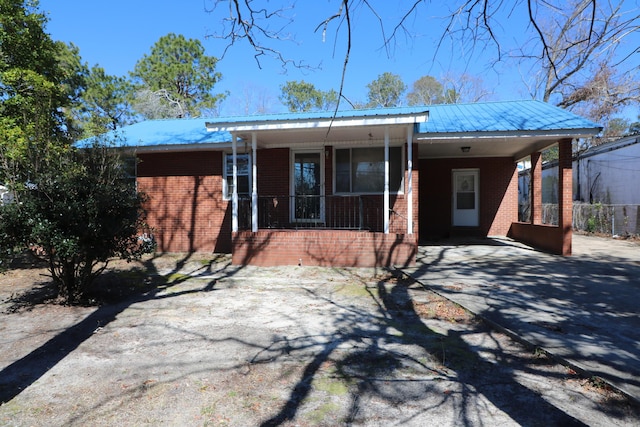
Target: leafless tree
x=466 y=87
x=252 y=99
x=564 y=40
x=576 y=68
x=157 y=104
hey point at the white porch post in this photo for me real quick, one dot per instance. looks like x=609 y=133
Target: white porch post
x=410 y=179
x=386 y=180
x=254 y=183
x=234 y=194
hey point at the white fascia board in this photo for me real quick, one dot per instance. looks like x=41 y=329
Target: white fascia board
x=317 y=123
x=560 y=133
x=179 y=147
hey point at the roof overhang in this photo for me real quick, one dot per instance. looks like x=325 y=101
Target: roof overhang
x=317 y=123
x=516 y=145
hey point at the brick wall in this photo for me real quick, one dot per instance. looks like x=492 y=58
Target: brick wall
x=185 y=207
x=187 y=212
x=555 y=239
x=498 y=196
x=337 y=248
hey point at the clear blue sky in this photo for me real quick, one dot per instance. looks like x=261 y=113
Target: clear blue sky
x=116 y=33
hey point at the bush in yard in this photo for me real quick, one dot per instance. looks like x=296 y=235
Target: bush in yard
x=76 y=215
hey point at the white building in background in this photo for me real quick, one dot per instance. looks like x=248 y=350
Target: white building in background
x=609 y=173
x=5 y=195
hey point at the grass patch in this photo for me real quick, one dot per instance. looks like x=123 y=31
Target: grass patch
x=331 y=386
x=358 y=290
x=323 y=412
x=174 y=278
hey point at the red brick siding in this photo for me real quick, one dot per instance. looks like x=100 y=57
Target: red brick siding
x=187 y=212
x=498 y=195
x=545 y=237
x=323 y=248
x=185 y=208
x=273 y=172
x=565 y=194
x=555 y=239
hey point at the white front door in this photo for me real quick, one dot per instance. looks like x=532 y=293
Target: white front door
x=465 y=198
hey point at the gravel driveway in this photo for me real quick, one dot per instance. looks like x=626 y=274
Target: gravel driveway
x=297 y=346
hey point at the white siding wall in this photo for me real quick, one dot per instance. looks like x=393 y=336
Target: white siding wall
x=611 y=175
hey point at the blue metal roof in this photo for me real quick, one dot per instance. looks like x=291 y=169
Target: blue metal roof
x=152 y=133
x=510 y=116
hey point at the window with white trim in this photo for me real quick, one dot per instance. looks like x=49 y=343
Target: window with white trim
x=361 y=170
x=243 y=175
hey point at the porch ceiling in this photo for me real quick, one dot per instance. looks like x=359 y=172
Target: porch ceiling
x=515 y=147
x=323 y=136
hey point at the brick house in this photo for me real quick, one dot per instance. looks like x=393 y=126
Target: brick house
x=358 y=188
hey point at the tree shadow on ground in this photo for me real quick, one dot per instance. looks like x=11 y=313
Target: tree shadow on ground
x=391 y=356
x=585 y=309
x=20 y=374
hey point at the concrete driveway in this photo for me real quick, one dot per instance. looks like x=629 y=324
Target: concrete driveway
x=216 y=344
x=583 y=309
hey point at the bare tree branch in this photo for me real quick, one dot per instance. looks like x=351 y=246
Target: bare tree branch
x=260 y=27
x=560 y=44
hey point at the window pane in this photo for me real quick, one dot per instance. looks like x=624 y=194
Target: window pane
x=243 y=165
x=243 y=185
x=361 y=170
x=466 y=200
x=343 y=184
x=368 y=169
x=466 y=183
x=242 y=162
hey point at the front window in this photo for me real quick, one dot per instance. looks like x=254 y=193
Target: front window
x=361 y=170
x=243 y=176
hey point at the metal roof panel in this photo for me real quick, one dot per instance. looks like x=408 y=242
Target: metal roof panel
x=450 y=119
x=509 y=116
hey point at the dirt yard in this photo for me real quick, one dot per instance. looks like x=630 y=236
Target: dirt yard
x=197 y=342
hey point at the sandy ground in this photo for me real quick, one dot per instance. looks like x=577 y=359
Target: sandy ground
x=217 y=345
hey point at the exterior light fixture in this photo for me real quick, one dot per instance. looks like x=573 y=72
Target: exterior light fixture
x=465 y=149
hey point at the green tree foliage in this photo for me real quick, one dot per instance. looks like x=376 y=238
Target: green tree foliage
x=616 y=128
x=33 y=94
x=176 y=79
x=386 y=91
x=76 y=216
x=23 y=42
x=426 y=91
x=75 y=209
x=302 y=96
x=104 y=104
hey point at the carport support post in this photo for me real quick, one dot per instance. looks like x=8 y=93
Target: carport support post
x=565 y=194
x=254 y=183
x=536 y=188
x=386 y=180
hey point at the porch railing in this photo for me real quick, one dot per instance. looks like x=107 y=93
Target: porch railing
x=336 y=212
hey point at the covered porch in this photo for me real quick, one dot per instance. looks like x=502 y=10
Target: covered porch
x=324 y=189
x=359 y=188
